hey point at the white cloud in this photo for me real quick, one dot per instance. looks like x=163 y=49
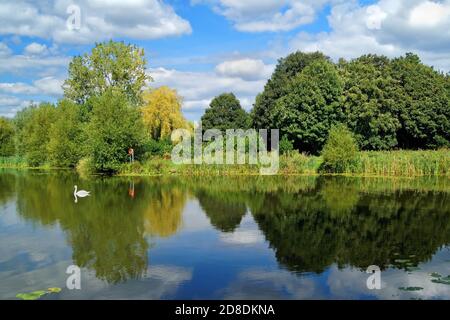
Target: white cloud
x=18 y=64
x=389 y=27
x=199 y=88
x=429 y=14
x=267 y=15
x=9 y=105
x=35 y=48
x=100 y=20
x=49 y=86
x=17 y=88
x=247 y=69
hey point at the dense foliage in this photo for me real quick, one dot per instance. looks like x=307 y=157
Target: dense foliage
x=386 y=103
x=110 y=64
x=114 y=127
x=311 y=106
x=100 y=118
x=279 y=85
x=225 y=112
x=340 y=150
x=6 y=138
x=162 y=112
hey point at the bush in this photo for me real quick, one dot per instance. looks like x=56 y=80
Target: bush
x=340 y=151
x=286 y=146
x=157 y=147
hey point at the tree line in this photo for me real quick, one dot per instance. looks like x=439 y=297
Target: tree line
x=107 y=108
x=387 y=104
x=105 y=111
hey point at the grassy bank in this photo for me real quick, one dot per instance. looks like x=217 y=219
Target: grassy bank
x=367 y=163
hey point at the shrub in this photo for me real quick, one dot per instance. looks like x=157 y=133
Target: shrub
x=157 y=147
x=340 y=151
x=286 y=146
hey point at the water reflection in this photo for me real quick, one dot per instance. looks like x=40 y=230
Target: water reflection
x=309 y=223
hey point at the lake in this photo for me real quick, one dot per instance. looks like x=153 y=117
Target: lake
x=224 y=238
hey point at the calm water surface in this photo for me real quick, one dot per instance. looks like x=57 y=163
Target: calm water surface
x=224 y=238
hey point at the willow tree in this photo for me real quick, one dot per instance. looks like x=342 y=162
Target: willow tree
x=162 y=112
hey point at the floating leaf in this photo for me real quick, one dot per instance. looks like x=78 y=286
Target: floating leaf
x=445 y=280
x=411 y=288
x=32 y=295
x=435 y=275
x=54 y=290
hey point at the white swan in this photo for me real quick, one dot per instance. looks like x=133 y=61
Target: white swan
x=81 y=193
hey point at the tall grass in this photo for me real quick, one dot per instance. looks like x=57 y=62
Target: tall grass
x=400 y=163
x=403 y=163
x=367 y=163
x=13 y=162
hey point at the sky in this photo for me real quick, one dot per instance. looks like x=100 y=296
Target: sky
x=203 y=48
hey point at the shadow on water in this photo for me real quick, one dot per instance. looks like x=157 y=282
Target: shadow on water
x=309 y=222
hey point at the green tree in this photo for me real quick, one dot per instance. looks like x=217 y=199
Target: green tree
x=279 y=85
x=6 y=137
x=21 y=119
x=225 y=112
x=312 y=106
x=371 y=102
x=110 y=64
x=34 y=132
x=66 y=143
x=114 y=127
x=340 y=151
x=424 y=105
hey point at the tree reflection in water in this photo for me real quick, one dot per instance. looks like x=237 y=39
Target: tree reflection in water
x=309 y=222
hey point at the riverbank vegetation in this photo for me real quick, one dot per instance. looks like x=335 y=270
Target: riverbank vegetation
x=368 y=116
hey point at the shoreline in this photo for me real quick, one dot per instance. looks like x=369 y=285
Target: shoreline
x=184 y=174
x=400 y=163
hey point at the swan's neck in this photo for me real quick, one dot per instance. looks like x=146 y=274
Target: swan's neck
x=75 y=190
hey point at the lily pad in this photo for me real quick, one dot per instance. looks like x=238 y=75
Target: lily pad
x=54 y=290
x=32 y=295
x=435 y=275
x=445 y=280
x=411 y=288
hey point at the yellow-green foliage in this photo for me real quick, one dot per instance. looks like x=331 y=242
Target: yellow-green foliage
x=162 y=112
x=404 y=163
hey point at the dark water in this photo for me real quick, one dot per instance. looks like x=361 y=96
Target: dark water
x=224 y=238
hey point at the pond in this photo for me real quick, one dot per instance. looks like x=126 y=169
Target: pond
x=224 y=237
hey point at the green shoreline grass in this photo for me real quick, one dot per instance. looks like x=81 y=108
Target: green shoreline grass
x=368 y=163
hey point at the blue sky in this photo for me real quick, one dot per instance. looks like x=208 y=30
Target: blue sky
x=205 y=47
